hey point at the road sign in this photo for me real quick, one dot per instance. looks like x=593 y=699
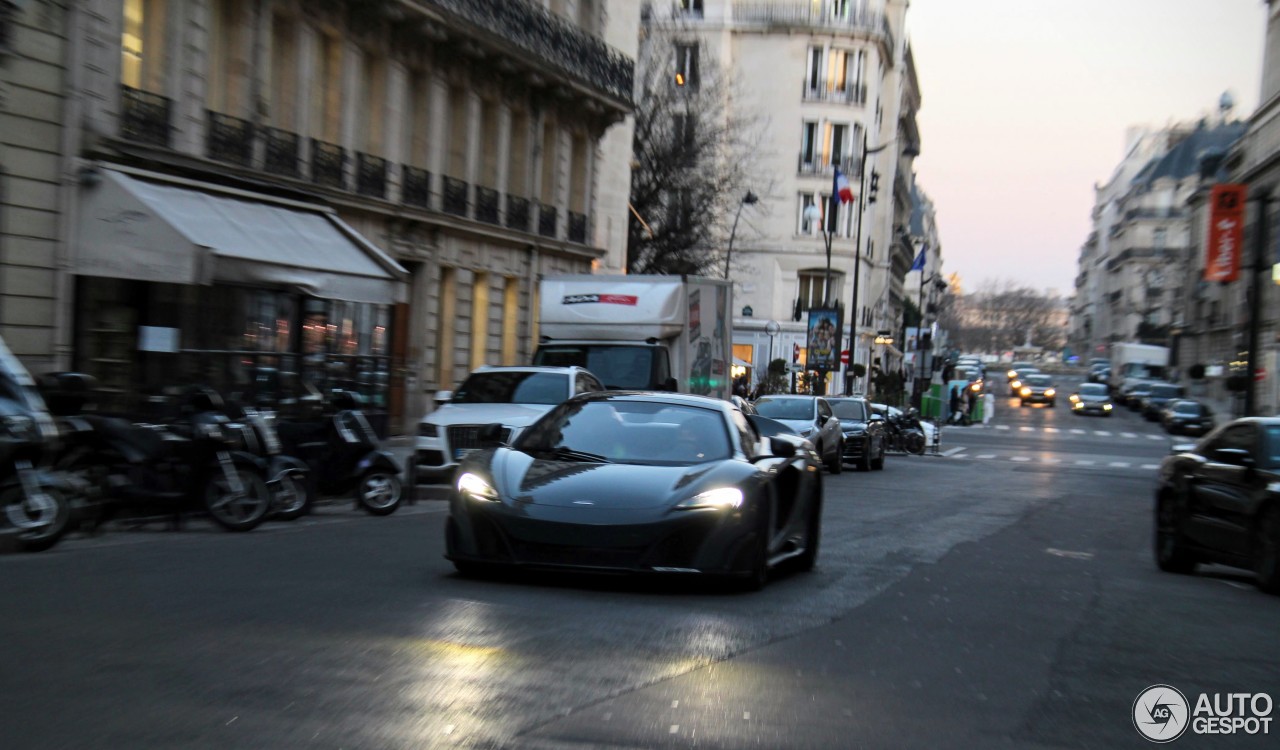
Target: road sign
x=1260 y=374
x=844 y=357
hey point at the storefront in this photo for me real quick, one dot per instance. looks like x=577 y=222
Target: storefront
x=179 y=282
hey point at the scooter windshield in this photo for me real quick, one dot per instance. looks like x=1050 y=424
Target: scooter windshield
x=16 y=384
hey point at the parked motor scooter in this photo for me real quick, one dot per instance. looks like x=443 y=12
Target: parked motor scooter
x=905 y=432
x=189 y=463
x=286 y=476
x=34 y=500
x=341 y=450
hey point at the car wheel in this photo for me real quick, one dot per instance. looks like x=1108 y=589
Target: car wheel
x=878 y=463
x=812 y=536
x=835 y=464
x=864 y=462
x=1172 y=553
x=1266 y=550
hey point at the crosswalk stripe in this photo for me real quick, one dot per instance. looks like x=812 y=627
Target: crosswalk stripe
x=1051 y=429
x=1084 y=463
x=1020 y=458
x=1120 y=464
x=987 y=455
x=1048 y=460
x=1077 y=431
x=1002 y=427
x=1151 y=467
x=1129 y=435
x=1024 y=428
x=1102 y=433
x=1155 y=437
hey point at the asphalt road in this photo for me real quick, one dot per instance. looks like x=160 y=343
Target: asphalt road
x=971 y=600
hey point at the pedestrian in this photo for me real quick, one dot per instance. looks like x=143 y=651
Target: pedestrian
x=988 y=407
x=955 y=403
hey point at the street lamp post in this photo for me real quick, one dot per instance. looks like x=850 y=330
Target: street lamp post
x=857 y=255
x=749 y=199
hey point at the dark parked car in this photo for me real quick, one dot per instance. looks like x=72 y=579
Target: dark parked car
x=1219 y=502
x=623 y=482
x=1187 y=417
x=1134 y=395
x=1161 y=393
x=864 y=432
x=1092 y=398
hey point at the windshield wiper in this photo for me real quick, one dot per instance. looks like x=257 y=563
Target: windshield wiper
x=573 y=455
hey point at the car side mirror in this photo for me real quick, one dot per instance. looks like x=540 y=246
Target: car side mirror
x=782 y=448
x=443 y=397
x=490 y=435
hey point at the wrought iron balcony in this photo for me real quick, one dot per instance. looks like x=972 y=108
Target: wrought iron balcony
x=371 y=175
x=415 y=187
x=578 y=228
x=532 y=29
x=817 y=164
x=827 y=15
x=517 y=212
x=844 y=93
x=281 y=152
x=547 y=218
x=486 y=205
x=144 y=117
x=230 y=139
x=328 y=164
x=455 y=196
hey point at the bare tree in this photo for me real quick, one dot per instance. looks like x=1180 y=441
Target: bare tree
x=690 y=160
x=1001 y=315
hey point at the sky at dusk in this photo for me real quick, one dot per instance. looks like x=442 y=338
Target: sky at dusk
x=1025 y=104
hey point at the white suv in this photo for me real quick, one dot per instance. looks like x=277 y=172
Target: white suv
x=512 y=396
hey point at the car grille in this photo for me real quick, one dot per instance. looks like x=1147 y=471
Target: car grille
x=467 y=436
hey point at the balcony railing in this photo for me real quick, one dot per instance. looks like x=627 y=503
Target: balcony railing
x=517 y=212
x=230 y=139
x=281 y=152
x=811 y=164
x=1170 y=212
x=486 y=205
x=532 y=29
x=846 y=93
x=577 y=228
x=547 y=220
x=328 y=164
x=455 y=196
x=144 y=117
x=835 y=15
x=371 y=175
x=415 y=187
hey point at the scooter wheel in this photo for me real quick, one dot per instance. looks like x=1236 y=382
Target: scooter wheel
x=380 y=492
x=238 y=511
x=44 y=519
x=290 y=498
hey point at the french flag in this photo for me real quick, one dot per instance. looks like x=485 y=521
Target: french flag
x=842 y=188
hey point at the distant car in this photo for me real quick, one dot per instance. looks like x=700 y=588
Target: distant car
x=864 y=435
x=1186 y=417
x=1161 y=394
x=1016 y=369
x=1132 y=397
x=1038 y=389
x=1016 y=384
x=1100 y=374
x=811 y=417
x=644 y=483
x=1219 y=502
x=512 y=396
x=1092 y=398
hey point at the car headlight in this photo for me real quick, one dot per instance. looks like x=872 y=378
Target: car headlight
x=1106 y=407
x=427 y=429
x=721 y=498
x=1050 y=392
x=1077 y=404
x=1013 y=373
x=1025 y=391
x=476 y=488
x=976 y=386
x=1017 y=384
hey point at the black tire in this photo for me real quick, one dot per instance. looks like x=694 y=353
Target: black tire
x=241 y=511
x=835 y=465
x=757 y=574
x=812 y=535
x=864 y=461
x=915 y=442
x=1266 y=550
x=291 y=498
x=51 y=509
x=1173 y=554
x=379 y=492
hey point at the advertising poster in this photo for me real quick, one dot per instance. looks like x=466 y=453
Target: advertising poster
x=824 y=339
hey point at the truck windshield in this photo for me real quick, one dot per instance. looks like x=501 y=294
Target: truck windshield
x=1141 y=370
x=619 y=367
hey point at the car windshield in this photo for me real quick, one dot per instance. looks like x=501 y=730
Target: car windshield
x=1189 y=408
x=1093 y=389
x=633 y=432
x=849 y=410
x=785 y=408
x=513 y=387
x=1272 y=441
x=1165 y=391
x=1038 y=380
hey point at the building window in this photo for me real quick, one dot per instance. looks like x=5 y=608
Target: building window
x=679 y=208
x=326 y=121
x=284 y=73
x=837 y=143
x=691 y=8
x=814 y=76
x=812 y=289
x=809 y=146
x=479 y=319
x=1159 y=237
x=511 y=321
x=446 y=309
x=805 y=225
x=142 y=45
x=686 y=71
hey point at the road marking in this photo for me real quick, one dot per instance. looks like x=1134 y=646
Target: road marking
x=1102 y=433
x=746 y=716
x=1150 y=467
x=987 y=455
x=1020 y=459
x=952 y=452
x=1084 y=463
x=1077 y=431
x=675 y=704
x=1070 y=554
x=1129 y=435
x=1119 y=464
x=1049 y=460
x=675 y=728
x=1002 y=427
x=1027 y=429
x=1052 y=429
x=1155 y=437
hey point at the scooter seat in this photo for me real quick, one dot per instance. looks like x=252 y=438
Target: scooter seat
x=137 y=443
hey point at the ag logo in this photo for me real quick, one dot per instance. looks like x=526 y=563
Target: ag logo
x=1160 y=713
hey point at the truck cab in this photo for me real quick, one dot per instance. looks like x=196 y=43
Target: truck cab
x=619 y=365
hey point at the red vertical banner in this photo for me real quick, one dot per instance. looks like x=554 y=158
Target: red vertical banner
x=1224 y=244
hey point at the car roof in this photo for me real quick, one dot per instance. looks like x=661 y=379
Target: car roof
x=656 y=397
x=529 y=368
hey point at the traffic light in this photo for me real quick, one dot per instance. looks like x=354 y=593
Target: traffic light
x=873 y=187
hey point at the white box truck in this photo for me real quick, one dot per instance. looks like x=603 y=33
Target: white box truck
x=1133 y=363
x=672 y=333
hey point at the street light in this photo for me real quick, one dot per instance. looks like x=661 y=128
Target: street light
x=750 y=199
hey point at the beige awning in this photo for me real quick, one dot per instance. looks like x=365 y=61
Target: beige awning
x=148 y=227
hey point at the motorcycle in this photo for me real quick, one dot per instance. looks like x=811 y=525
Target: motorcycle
x=341 y=451
x=34 y=500
x=904 y=432
x=190 y=463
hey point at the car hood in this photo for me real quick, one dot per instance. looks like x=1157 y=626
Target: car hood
x=511 y=415
x=799 y=425
x=1090 y=399
x=853 y=425
x=583 y=484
